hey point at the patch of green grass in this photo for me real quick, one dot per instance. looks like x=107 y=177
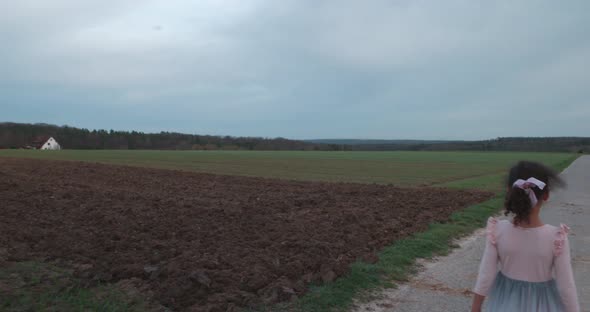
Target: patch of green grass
x=490 y=182
x=495 y=181
x=38 y=286
x=454 y=169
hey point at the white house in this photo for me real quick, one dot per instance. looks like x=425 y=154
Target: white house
x=47 y=143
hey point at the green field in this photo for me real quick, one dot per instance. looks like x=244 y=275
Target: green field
x=454 y=169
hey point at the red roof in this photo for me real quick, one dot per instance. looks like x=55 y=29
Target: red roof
x=39 y=141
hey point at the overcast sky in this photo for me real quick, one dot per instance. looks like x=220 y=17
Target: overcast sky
x=300 y=69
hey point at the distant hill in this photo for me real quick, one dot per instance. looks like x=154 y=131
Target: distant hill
x=524 y=144
x=376 y=142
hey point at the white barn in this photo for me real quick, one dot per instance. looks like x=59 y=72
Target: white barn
x=47 y=143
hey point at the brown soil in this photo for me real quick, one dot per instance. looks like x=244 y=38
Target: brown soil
x=203 y=242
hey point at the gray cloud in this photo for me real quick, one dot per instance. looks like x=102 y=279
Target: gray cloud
x=301 y=69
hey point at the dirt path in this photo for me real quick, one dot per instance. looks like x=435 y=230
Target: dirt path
x=444 y=285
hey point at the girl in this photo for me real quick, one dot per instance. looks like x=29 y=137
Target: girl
x=528 y=251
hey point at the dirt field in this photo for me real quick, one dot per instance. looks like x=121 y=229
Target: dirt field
x=203 y=242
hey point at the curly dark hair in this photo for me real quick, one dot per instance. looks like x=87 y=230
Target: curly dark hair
x=517 y=201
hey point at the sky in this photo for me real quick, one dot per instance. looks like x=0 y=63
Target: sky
x=301 y=69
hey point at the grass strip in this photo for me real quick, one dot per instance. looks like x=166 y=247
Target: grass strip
x=38 y=286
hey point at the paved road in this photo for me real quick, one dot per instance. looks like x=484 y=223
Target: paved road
x=444 y=285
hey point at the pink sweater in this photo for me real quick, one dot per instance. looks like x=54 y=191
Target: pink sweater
x=528 y=254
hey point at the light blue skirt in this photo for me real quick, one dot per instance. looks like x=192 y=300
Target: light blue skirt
x=514 y=295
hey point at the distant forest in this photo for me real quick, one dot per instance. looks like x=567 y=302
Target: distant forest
x=518 y=144
x=19 y=135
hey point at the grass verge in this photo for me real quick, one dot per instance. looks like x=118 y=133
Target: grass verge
x=39 y=286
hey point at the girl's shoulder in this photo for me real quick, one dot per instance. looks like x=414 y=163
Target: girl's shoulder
x=560 y=227
x=560 y=231
x=504 y=222
x=557 y=234
x=496 y=226
x=492 y=229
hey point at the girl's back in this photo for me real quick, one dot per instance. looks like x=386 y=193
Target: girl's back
x=526 y=253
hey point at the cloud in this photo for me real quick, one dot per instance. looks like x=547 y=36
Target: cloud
x=383 y=69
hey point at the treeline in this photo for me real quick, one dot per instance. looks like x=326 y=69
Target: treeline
x=522 y=144
x=19 y=135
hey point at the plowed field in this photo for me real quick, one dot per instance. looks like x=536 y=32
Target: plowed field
x=203 y=242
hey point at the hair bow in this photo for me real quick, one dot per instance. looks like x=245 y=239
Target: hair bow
x=527 y=186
